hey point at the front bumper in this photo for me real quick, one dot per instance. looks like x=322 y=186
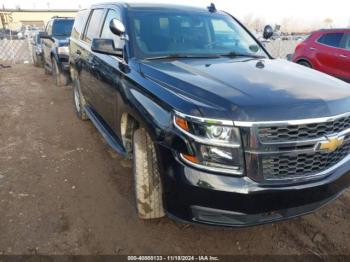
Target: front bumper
x=195 y=196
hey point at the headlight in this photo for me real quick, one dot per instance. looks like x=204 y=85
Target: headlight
x=215 y=145
x=63 y=50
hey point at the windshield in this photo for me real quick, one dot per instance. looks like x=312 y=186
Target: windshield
x=163 y=33
x=62 y=27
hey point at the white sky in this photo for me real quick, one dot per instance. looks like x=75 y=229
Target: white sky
x=272 y=11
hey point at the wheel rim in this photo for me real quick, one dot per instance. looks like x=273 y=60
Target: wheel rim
x=77 y=99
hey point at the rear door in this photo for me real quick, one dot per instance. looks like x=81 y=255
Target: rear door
x=76 y=45
x=92 y=30
x=327 y=53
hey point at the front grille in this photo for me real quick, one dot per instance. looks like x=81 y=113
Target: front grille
x=289 y=133
x=303 y=164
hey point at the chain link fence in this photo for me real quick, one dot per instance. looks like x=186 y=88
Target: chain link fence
x=281 y=48
x=18 y=51
x=15 y=51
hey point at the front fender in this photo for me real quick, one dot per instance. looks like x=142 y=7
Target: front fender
x=154 y=116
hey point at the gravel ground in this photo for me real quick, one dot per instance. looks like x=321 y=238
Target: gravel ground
x=64 y=191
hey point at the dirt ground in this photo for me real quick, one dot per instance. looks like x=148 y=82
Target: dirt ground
x=64 y=191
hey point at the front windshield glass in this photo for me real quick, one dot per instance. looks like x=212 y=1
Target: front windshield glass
x=164 y=33
x=62 y=27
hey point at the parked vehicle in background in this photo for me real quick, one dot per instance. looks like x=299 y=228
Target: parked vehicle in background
x=219 y=132
x=31 y=32
x=327 y=51
x=28 y=32
x=55 y=41
x=37 y=50
x=20 y=35
x=8 y=34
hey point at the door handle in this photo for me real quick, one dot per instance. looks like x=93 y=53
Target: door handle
x=312 y=48
x=343 y=56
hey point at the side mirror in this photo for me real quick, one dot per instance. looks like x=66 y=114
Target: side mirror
x=117 y=27
x=268 y=32
x=105 y=46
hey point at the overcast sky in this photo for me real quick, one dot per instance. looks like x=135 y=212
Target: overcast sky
x=273 y=11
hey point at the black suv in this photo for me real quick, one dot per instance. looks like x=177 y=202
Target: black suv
x=219 y=132
x=55 y=41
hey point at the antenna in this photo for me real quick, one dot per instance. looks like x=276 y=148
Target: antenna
x=212 y=8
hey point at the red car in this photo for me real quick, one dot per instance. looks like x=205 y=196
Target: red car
x=327 y=51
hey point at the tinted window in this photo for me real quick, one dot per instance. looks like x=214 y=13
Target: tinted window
x=79 y=23
x=332 y=39
x=347 y=42
x=176 y=32
x=62 y=27
x=94 y=27
x=106 y=31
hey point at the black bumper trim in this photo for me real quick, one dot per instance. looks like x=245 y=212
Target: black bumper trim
x=225 y=218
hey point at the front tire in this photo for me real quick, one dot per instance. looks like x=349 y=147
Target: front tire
x=36 y=60
x=304 y=63
x=148 y=186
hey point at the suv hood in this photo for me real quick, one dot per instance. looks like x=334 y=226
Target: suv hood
x=246 y=89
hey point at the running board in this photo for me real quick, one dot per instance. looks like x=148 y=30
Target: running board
x=105 y=131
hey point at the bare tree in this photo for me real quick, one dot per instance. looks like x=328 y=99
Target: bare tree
x=254 y=23
x=328 y=22
x=2 y=19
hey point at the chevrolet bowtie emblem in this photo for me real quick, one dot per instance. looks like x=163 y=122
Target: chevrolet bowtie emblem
x=332 y=144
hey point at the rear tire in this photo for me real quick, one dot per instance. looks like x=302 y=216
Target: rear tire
x=36 y=60
x=304 y=63
x=60 y=78
x=47 y=71
x=148 y=186
x=79 y=101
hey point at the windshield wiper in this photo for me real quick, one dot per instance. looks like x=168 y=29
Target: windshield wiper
x=176 y=56
x=235 y=54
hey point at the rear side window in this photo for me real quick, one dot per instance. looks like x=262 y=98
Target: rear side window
x=94 y=28
x=79 y=23
x=347 y=42
x=331 y=39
